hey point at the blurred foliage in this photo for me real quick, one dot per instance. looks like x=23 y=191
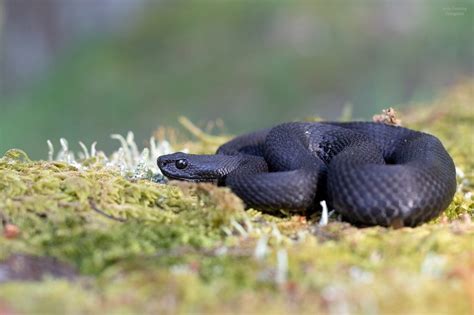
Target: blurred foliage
x=251 y=63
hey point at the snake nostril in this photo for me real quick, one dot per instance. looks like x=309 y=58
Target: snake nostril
x=161 y=163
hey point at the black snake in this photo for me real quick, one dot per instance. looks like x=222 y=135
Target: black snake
x=370 y=173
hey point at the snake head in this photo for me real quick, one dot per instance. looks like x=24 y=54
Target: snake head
x=193 y=167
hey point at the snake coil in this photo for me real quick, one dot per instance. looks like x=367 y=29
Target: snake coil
x=370 y=173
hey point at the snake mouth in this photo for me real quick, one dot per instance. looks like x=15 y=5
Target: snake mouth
x=191 y=179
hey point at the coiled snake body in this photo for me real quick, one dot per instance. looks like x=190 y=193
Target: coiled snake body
x=371 y=173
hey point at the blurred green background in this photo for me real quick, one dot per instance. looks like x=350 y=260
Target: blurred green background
x=84 y=69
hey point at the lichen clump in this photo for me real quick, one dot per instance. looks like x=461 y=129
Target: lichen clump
x=127 y=244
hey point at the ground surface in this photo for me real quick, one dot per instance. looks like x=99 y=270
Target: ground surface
x=84 y=239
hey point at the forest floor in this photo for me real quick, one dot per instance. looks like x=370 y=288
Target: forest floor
x=83 y=236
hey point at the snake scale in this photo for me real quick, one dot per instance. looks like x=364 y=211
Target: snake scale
x=370 y=173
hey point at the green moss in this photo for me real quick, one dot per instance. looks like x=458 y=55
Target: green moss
x=142 y=247
x=62 y=212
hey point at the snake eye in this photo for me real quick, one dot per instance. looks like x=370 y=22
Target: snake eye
x=181 y=164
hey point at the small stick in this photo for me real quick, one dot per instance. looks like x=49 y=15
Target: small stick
x=94 y=207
